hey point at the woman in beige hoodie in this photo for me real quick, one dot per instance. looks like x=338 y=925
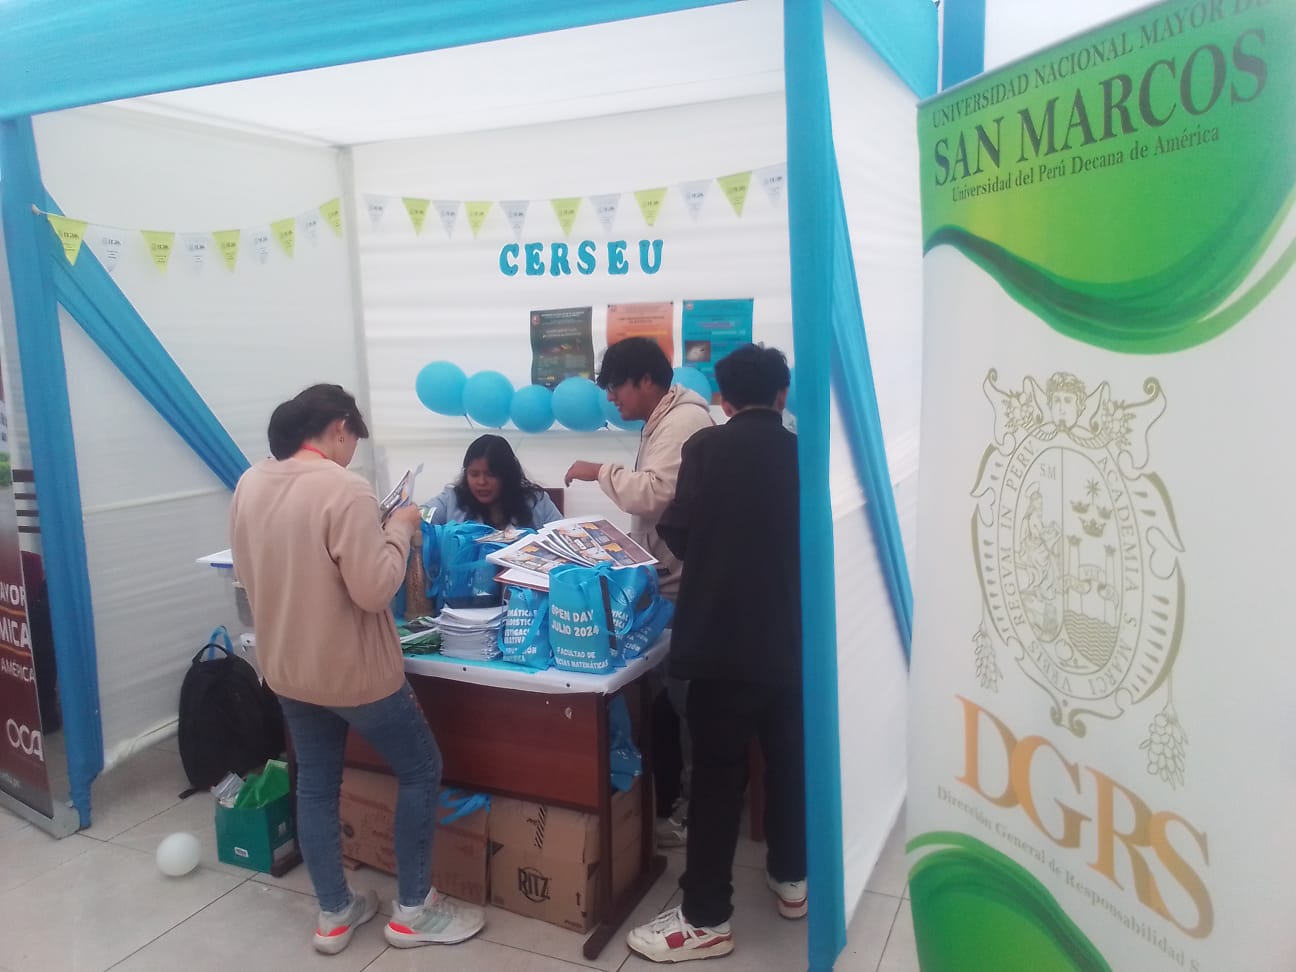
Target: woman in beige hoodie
x=321 y=568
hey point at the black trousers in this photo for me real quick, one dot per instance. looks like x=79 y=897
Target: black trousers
x=724 y=716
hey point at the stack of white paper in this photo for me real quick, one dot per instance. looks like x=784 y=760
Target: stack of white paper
x=470 y=632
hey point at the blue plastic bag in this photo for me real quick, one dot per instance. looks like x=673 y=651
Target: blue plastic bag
x=524 y=633
x=625 y=759
x=581 y=630
x=458 y=574
x=647 y=629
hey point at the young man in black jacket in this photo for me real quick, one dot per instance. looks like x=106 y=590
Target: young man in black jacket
x=734 y=522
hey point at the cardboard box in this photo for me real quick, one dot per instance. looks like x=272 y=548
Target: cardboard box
x=459 y=850
x=255 y=838
x=545 y=860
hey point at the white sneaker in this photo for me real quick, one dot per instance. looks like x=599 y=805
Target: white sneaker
x=334 y=929
x=792 y=902
x=438 y=921
x=670 y=938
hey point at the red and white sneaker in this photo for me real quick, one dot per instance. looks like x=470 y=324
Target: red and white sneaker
x=670 y=938
x=791 y=896
x=334 y=929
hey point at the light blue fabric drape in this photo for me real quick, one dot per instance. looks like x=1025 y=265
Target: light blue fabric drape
x=853 y=379
x=104 y=313
x=903 y=32
x=49 y=426
x=811 y=216
x=963 y=53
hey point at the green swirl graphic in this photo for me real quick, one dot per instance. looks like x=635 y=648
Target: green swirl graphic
x=1127 y=187
x=977 y=910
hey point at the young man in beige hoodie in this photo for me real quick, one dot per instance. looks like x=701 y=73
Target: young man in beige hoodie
x=638 y=378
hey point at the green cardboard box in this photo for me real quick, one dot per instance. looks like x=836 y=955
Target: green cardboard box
x=256 y=838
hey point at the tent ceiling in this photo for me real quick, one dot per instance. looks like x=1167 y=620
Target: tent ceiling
x=706 y=54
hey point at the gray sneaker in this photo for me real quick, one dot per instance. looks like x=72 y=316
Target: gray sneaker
x=672 y=831
x=439 y=921
x=334 y=929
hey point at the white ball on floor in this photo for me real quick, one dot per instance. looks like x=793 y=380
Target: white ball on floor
x=178 y=854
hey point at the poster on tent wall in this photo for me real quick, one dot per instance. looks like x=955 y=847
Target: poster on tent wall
x=710 y=329
x=1101 y=772
x=562 y=345
x=23 y=772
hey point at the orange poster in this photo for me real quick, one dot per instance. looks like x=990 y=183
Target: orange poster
x=656 y=321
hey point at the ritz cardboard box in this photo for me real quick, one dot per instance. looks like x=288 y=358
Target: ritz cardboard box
x=545 y=860
x=459 y=850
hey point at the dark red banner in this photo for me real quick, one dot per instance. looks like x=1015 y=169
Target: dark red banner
x=23 y=772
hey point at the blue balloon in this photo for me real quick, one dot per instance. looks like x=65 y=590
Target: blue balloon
x=694 y=380
x=487 y=396
x=440 y=387
x=791 y=399
x=532 y=408
x=614 y=417
x=576 y=404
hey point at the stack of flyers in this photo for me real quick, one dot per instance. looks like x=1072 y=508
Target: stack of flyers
x=588 y=542
x=509 y=534
x=471 y=633
x=419 y=636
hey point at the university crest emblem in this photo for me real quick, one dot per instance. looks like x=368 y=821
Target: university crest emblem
x=1077 y=554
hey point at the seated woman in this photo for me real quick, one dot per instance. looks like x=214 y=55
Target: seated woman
x=493 y=490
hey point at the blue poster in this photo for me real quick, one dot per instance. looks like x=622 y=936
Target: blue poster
x=711 y=329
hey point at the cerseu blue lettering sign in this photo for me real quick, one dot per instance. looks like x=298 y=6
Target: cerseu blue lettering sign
x=559 y=259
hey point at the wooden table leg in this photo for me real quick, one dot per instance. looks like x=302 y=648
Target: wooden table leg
x=623 y=906
x=615 y=912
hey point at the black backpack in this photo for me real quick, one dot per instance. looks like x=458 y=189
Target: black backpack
x=230 y=721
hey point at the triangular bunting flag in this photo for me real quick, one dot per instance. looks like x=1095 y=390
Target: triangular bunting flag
x=772 y=179
x=377 y=205
x=107 y=242
x=197 y=245
x=695 y=193
x=308 y=226
x=227 y=243
x=735 y=189
x=448 y=210
x=159 y=243
x=605 y=208
x=260 y=238
x=70 y=233
x=332 y=212
x=417 y=209
x=477 y=214
x=515 y=211
x=565 y=210
x=285 y=231
x=650 y=201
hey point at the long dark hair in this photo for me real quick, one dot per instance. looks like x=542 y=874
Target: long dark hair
x=304 y=416
x=517 y=496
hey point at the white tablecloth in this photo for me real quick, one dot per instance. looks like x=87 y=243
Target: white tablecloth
x=552 y=681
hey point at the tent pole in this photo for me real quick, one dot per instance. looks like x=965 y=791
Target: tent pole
x=811 y=222
x=53 y=454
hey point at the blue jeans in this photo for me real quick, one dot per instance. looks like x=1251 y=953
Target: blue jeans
x=396 y=729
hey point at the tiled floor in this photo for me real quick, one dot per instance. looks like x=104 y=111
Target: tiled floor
x=96 y=901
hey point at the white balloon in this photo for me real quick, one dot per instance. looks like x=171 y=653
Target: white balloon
x=178 y=854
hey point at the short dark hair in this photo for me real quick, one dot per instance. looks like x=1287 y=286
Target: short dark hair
x=308 y=413
x=634 y=358
x=752 y=375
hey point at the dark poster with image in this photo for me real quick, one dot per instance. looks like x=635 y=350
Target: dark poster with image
x=561 y=345
x=23 y=773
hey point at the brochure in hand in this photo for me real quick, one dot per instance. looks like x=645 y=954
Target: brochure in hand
x=402 y=493
x=586 y=541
